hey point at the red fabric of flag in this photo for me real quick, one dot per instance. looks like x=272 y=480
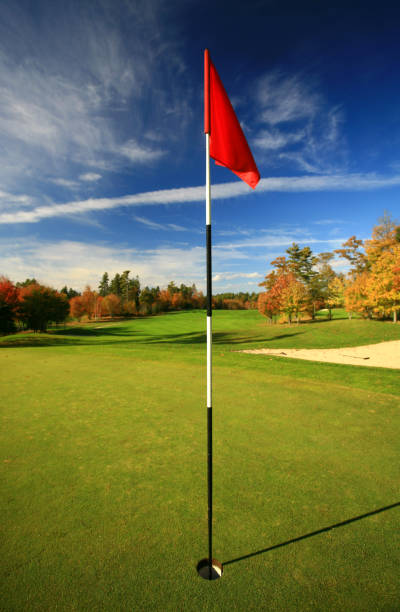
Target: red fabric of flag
x=228 y=145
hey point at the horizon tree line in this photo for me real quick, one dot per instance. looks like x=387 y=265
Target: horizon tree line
x=299 y=285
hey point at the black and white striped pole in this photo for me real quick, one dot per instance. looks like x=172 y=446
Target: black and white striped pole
x=209 y=568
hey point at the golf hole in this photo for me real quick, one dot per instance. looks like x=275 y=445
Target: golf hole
x=203 y=569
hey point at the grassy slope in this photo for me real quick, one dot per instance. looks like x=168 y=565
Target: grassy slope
x=181 y=337
x=104 y=489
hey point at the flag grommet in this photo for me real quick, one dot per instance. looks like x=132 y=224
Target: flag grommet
x=203 y=569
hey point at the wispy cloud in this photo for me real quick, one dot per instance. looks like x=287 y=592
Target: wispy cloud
x=66 y=107
x=275 y=139
x=271 y=242
x=298 y=125
x=159 y=226
x=224 y=276
x=186 y=195
x=62 y=182
x=327 y=222
x=13 y=201
x=90 y=177
x=286 y=98
x=138 y=153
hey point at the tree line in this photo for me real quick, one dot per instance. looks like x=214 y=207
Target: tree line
x=31 y=305
x=299 y=285
x=124 y=296
x=302 y=283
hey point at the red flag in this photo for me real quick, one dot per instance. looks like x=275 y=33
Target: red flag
x=228 y=145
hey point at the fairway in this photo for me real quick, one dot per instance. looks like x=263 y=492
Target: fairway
x=103 y=486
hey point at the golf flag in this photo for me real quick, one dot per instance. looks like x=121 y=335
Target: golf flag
x=228 y=145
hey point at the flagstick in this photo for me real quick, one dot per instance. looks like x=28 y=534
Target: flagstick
x=208 y=568
x=228 y=148
x=209 y=354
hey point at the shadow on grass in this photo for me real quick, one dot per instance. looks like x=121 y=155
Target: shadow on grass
x=31 y=341
x=313 y=533
x=118 y=334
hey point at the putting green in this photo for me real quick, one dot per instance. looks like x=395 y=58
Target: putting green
x=103 y=485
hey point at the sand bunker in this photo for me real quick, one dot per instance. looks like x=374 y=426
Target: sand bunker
x=382 y=355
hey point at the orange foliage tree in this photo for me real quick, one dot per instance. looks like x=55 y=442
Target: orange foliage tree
x=384 y=292
x=39 y=305
x=294 y=297
x=268 y=302
x=357 y=295
x=76 y=307
x=284 y=294
x=112 y=304
x=9 y=299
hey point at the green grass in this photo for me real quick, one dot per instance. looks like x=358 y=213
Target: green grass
x=103 y=485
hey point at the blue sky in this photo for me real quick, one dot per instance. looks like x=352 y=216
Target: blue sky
x=102 y=146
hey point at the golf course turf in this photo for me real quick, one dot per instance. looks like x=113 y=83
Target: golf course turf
x=103 y=460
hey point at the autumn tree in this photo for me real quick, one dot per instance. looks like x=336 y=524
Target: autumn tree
x=165 y=300
x=372 y=288
x=323 y=280
x=284 y=293
x=112 y=304
x=40 y=305
x=177 y=300
x=351 y=250
x=198 y=299
x=89 y=300
x=76 y=307
x=293 y=297
x=268 y=303
x=384 y=238
x=358 y=296
x=384 y=293
x=266 y=306
x=335 y=294
x=9 y=299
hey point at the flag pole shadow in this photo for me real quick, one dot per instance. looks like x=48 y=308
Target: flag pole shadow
x=312 y=534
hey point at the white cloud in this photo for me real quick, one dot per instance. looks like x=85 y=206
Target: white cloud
x=137 y=153
x=281 y=240
x=224 y=276
x=286 y=98
x=65 y=106
x=271 y=140
x=176 y=228
x=90 y=177
x=77 y=264
x=297 y=122
x=14 y=201
x=65 y=183
x=151 y=224
x=159 y=226
x=327 y=222
x=237 y=232
x=339 y=182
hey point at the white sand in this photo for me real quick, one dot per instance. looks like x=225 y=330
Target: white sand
x=382 y=355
